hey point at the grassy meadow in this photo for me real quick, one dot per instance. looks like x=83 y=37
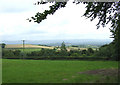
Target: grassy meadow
x=58 y=71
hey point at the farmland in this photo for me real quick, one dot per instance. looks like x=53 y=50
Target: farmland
x=37 y=46
x=30 y=48
x=26 y=46
x=58 y=71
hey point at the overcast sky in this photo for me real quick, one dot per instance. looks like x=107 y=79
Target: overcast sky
x=66 y=23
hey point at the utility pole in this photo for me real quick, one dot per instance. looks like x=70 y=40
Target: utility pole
x=23 y=44
x=23 y=47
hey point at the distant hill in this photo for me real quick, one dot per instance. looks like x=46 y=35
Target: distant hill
x=69 y=42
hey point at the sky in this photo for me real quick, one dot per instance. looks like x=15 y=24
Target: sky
x=66 y=23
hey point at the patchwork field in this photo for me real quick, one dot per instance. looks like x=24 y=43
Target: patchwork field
x=26 y=46
x=30 y=48
x=58 y=71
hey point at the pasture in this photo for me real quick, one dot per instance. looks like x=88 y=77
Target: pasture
x=26 y=46
x=58 y=71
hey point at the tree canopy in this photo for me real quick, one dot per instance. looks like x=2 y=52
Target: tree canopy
x=106 y=12
x=3 y=45
x=63 y=48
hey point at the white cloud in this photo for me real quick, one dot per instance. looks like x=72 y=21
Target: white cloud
x=66 y=23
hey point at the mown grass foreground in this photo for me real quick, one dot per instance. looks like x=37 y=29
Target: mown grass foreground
x=55 y=71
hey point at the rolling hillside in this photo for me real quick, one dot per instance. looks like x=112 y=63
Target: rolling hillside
x=26 y=46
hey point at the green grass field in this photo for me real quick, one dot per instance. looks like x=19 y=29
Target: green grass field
x=55 y=71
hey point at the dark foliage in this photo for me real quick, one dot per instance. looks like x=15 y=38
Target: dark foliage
x=90 y=50
x=16 y=52
x=41 y=16
x=11 y=53
x=3 y=45
x=107 y=51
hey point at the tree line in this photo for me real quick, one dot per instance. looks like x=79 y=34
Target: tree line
x=105 y=52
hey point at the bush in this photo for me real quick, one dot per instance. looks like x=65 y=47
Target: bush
x=84 y=52
x=7 y=54
x=3 y=45
x=84 y=55
x=43 y=52
x=90 y=50
x=75 y=54
x=17 y=52
x=74 y=51
x=106 y=50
